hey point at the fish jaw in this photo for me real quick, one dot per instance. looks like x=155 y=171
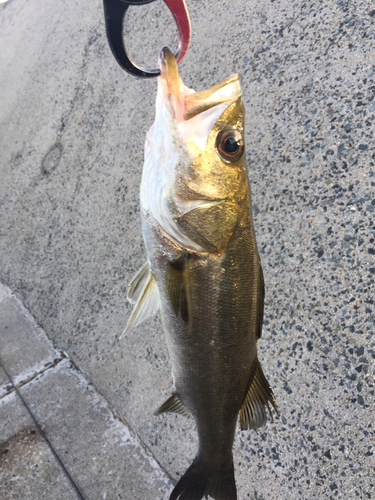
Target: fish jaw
x=163 y=150
x=171 y=89
x=182 y=168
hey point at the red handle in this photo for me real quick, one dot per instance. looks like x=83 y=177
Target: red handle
x=181 y=16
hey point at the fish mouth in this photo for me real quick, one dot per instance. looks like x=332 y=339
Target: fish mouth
x=172 y=89
x=185 y=103
x=169 y=71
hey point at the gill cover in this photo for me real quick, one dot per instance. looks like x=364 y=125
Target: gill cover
x=194 y=176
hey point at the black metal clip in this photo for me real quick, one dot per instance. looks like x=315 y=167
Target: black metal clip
x=114 y=12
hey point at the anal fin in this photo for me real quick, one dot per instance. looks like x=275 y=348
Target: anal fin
x=173 y=405
x=259 y=394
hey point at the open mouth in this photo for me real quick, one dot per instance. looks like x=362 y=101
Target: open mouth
x=185 y=103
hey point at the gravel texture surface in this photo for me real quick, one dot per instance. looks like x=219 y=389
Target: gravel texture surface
x=28 y=469
x=57 y=419
x=73 y=126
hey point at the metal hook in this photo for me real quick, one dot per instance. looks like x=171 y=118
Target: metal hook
x=114 y=12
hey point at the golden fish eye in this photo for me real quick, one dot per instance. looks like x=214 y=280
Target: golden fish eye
x=230 y=144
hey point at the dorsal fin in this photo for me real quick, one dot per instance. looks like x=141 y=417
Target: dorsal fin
x=173 y=405
x=147 y=304
x=259 y=395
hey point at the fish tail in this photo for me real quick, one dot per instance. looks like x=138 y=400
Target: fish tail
x=201 y=480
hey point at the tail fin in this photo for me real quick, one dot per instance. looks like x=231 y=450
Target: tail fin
x=200 y=480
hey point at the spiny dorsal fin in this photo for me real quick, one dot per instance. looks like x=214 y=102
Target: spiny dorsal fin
x=259 y=395
x=136 y=285
x=173 y=405
x=177 y=286
x=147 y=304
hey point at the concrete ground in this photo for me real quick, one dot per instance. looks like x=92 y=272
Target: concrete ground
x=96 y=449
x=72 y=129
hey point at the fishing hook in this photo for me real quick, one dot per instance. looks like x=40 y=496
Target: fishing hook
x=114 y=13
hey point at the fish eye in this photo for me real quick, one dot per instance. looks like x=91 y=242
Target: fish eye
x=230 y=144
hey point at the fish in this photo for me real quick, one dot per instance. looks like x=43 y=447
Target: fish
x=203 y=271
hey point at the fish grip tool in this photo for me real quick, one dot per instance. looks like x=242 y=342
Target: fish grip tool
x=114 y=13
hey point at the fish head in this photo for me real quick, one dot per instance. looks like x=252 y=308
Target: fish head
x=194 y=179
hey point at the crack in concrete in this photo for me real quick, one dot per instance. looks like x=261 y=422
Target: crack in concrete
x=25 y=382
x=116 y=414
x=40 y=429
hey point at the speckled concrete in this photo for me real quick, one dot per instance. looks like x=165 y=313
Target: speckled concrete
x=100 y=452
x=5 y=384
x=28 y=469
x=103 y=457
x=73 y=126
x=24 y=349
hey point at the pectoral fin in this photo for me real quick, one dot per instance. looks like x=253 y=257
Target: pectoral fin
x=173 y=405
x=177 y=286
x=259 y=395
x=147 y=304
x=137 y=284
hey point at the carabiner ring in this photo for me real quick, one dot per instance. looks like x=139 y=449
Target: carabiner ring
x=114 y=12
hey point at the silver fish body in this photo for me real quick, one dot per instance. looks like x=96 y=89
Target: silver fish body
x=204 y=274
